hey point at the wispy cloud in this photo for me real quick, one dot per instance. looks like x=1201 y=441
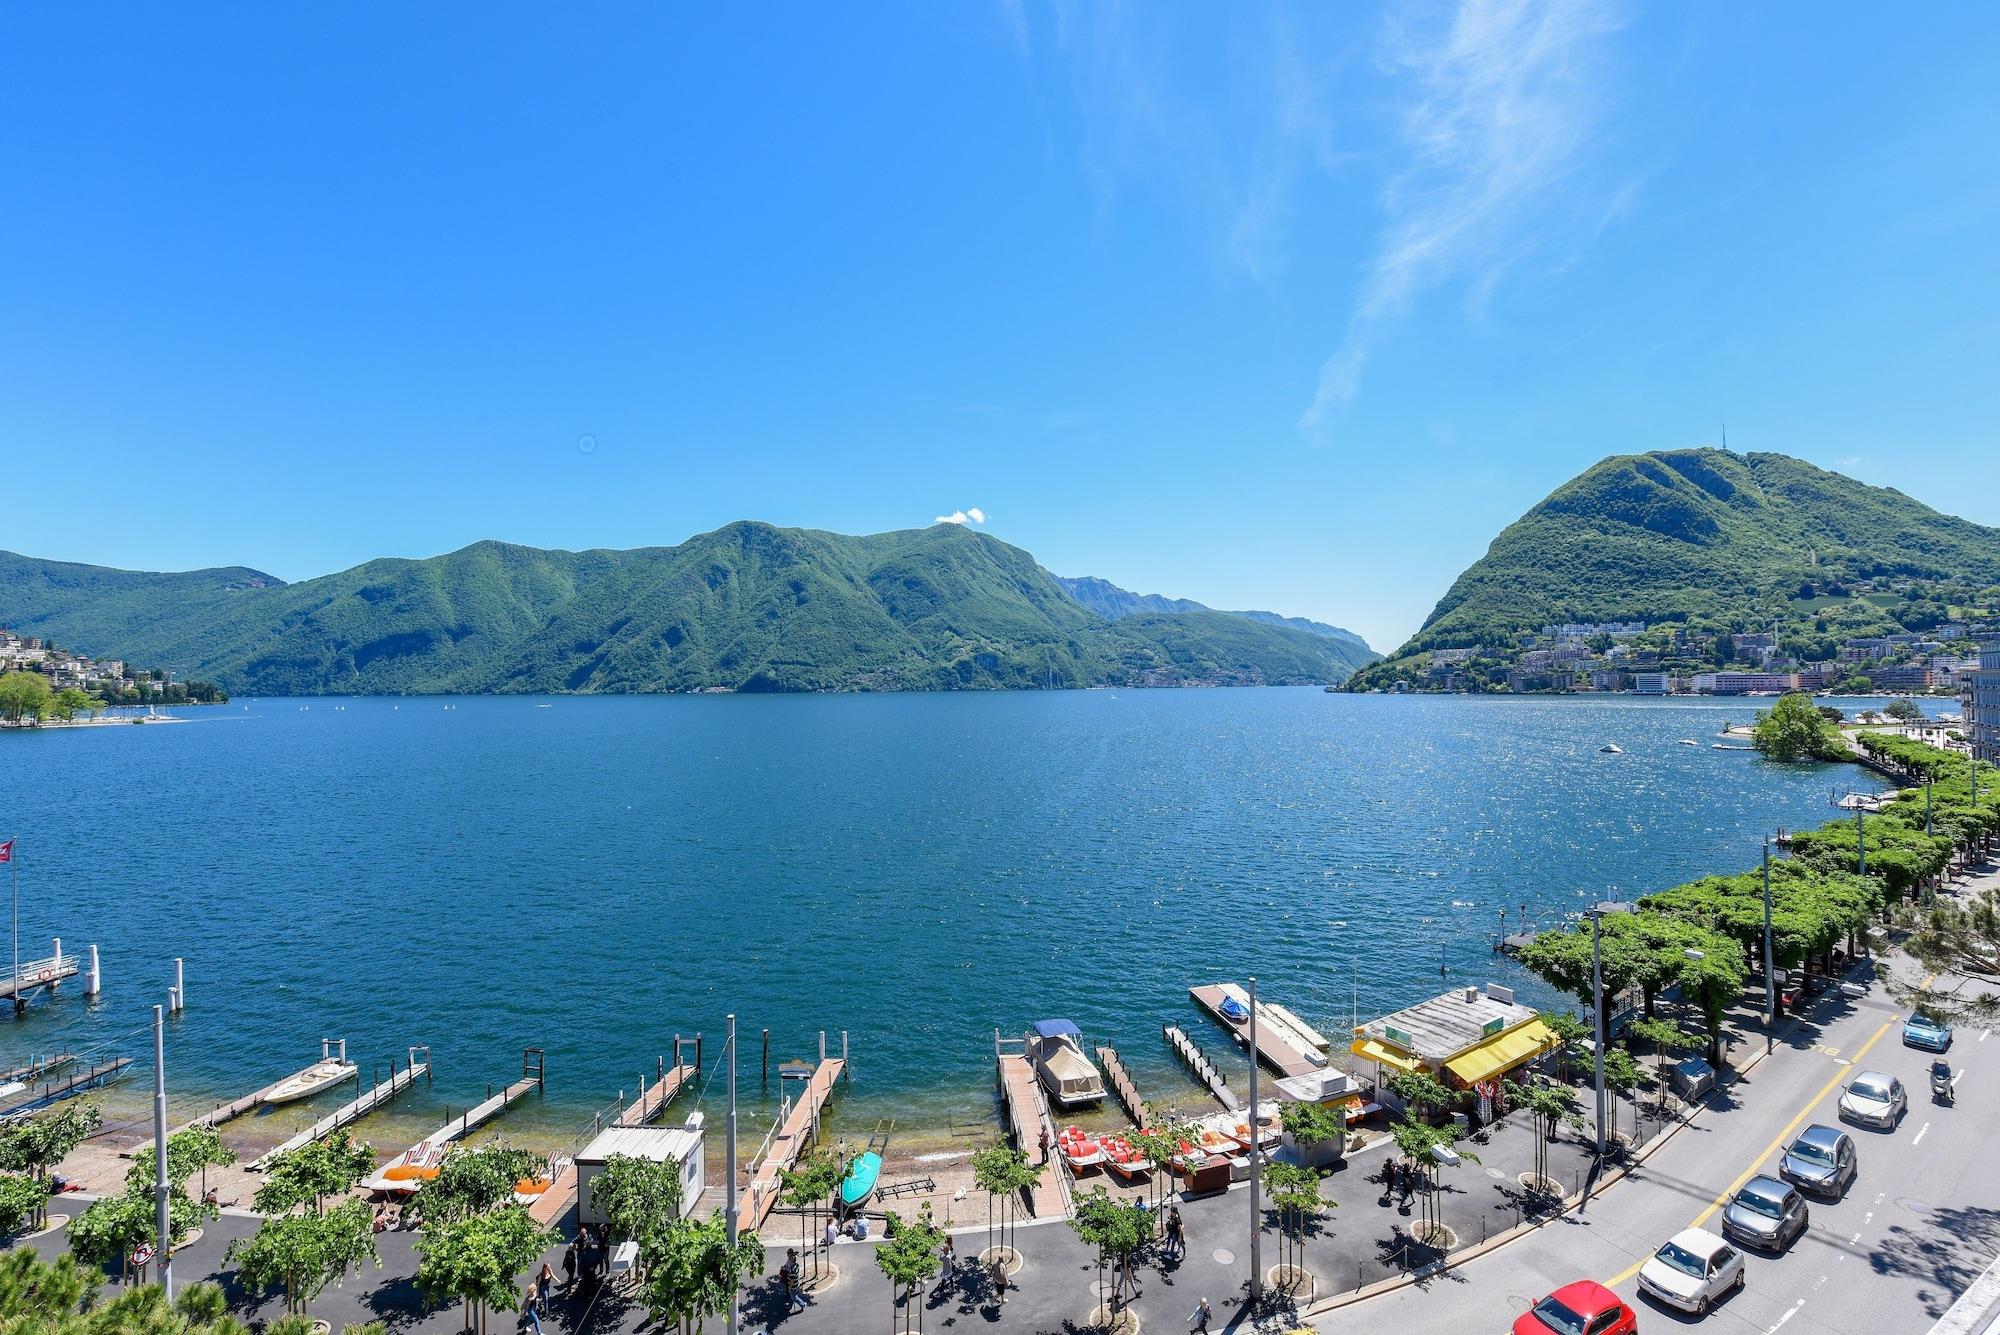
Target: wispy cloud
x=1507 y=100
x=970 y=515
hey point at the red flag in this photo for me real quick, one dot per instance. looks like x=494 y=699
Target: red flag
x=7 y=851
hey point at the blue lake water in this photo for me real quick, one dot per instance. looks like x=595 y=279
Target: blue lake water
x=591 y=876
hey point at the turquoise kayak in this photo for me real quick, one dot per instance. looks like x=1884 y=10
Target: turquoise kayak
x=859 y=1184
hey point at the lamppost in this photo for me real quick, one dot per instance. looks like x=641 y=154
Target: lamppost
x=1597 y=913
x=1256 y=1154
x=1770 y=995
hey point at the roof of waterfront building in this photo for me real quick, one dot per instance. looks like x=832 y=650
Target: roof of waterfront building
x=1449 y=1024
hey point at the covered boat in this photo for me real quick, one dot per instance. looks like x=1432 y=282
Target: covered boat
x=863 y=1174
x=1055 y=1047
x=331 y=1069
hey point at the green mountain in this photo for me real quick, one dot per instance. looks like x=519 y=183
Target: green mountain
x=1108 y=600
x=747 y=607
x=1727 y=542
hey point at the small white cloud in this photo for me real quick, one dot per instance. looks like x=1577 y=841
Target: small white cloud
x=975 y=515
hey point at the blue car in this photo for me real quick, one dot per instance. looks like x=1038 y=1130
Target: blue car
x=1920 y=1031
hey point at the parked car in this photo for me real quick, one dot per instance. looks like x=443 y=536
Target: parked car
x=1874 y=1099
x=1822 y=1160
x=1583 y=1308
x=1692 y=1270
x=1765 y=1213
x=1693 y=1079
x=1921 y=1031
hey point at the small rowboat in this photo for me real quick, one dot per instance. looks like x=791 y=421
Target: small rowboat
x=1079 y=1148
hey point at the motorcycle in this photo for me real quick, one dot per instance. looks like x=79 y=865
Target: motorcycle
x=1941 y=1082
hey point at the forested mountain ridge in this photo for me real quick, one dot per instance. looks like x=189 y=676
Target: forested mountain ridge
x=1728 y=542
x=747 y=607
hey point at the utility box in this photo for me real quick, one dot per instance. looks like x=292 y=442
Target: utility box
x=680 y=1145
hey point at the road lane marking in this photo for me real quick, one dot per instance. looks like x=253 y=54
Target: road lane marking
x=1750 y=1172
x=1985 y=1034
x=1918 y=1139
x=1789 y=1312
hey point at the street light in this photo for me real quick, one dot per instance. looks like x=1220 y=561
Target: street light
x=1597 y=913
x=1770 y=1000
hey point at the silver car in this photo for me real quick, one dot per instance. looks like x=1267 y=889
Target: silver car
x=1691 y=1271
x=1765 y=1213
x=1874 y=1099
x=1822 y=1159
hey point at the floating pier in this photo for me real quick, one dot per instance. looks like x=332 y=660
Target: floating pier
x=34 y=975
x=1122 y=1086
x=235 y=1108
x=37 y=1068
x=1025 y=1109
x=428 y=1152
x=1200 y=1066
x=349 y=1113
x=1284 y=1043
x=97 y=1074
x=797 y=1128
x=654 y=1099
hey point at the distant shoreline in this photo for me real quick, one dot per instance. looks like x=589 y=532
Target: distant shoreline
x=25 y=726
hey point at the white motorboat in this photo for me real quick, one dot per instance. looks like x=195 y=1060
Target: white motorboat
x=331 y=1069
x=1055 y=1049
x=1611 y=749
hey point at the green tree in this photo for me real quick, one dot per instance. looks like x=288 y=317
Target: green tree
x=471 y=1182
x=1430 y=1097
x=637 y=1197
x=330 y=1166
x=908 y=1256
x=37 y=1144
x=1669 y=1041
x=477 y=1259
x=21 y=1198
x=1003 y=1173
x=38 y=1296
x=1419 y=1143
x=1295 y=1195
x=25 y=696
x=1622 y=1078
x=1311 y=1125
x=1569 y=1031
x=301 y=1254
x=692 y=1271
x=809 y=1189
x=111 y=1229
x=1158 y=1143
x=194 y=1149
x=1552 y=1107
x=1793 y=729
x=69 y=702
x=1903 y=711
x=1111 y=1228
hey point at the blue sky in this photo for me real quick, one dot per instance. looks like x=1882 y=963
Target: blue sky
x=1286 y=307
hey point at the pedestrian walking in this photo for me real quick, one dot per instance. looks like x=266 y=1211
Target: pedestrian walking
x=947 y=1265
x=1198 y=1319
x=1000 y=1279
x=529 y=1314
x=1389 y=1178
x=788 y=1279
x=569 y=1264
x=1409 y=1179
x=1176 y=1231
x=1045 y=1143
x=545 y=1284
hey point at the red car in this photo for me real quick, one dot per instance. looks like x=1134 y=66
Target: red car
x=1583 y=1308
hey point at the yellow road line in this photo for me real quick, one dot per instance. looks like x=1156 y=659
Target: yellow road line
x=1765 y=1153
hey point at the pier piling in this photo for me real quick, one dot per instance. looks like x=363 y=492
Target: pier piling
x=767 y=1056
x=56 y=986
x=91 y=988
x=178 y=996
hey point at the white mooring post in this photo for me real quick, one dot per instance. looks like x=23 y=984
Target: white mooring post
x=180 y=986
x=822 y=1045
x=92 y=988
x=56 y=985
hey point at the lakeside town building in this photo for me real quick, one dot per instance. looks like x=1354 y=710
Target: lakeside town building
x=1979 y=697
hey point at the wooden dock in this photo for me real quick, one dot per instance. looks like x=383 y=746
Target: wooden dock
x=1278 y=1047
x=1026 y=1110
x=787 y=1142
x=349 y=1113
x=1122 y=1085
x=424 y=1152
x=1200 y=1066
x=654 y=1099
x=35 y=1100
x=37 y=1068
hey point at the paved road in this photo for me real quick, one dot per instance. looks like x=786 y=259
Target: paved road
x=1922 y=1221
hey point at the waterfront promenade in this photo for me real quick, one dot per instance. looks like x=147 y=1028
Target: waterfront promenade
x=1919 y=1226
